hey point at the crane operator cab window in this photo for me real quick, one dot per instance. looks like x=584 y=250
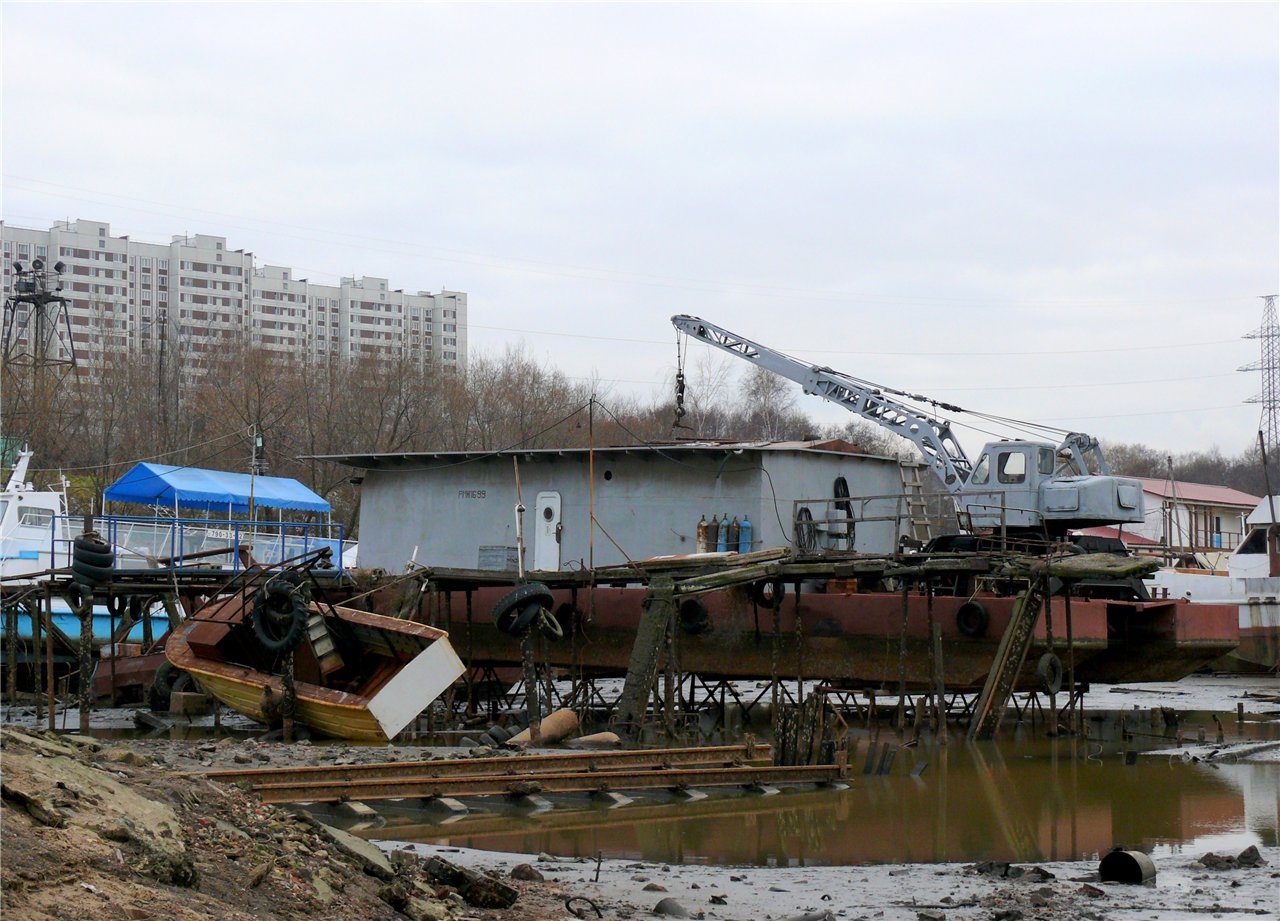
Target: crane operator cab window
x=1011 y=467
x=1046 y=461
x=982 y=473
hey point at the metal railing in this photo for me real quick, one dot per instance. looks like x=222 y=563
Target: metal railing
x=831 y=522
x=192 y=543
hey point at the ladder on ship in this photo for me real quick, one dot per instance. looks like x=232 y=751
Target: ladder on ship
x=914 y=507
x=1009 y=658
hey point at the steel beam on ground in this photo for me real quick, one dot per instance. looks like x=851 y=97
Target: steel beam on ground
x=516 y=765
x=537 y=784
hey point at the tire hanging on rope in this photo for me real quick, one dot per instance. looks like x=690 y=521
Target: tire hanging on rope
x=517 y=610
x=972 y=619
x=1049 y=673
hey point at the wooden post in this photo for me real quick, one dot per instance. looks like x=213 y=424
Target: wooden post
x=48 y=653
x=669 y=680
x=85 y=613
x=939 y=688
x=1048 y=629
x=11 y=654
x=33 y=606
x=532 y=693
x=902 y=656
x=799 y=646
x=776 y=640
x=1078 y=705
x=289 y=701
x=111 y=644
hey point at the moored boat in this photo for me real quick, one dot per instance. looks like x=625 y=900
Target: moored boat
x=356 y=675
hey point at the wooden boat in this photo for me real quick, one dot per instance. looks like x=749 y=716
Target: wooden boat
x=357 y=675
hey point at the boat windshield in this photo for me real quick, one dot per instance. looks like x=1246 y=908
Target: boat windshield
x=1256 y=542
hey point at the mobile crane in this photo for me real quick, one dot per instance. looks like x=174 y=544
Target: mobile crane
x=1025 y=486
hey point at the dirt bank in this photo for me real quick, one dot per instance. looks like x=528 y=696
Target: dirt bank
x=92 y=830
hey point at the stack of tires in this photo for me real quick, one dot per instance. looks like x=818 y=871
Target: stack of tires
x=92 y=560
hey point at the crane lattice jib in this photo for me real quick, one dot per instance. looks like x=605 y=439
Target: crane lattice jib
x=933 y=437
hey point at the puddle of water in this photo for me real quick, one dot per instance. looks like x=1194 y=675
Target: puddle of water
x=1027 y=799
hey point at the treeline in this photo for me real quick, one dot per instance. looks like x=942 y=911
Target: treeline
x=1243 y=471
x=94 y=423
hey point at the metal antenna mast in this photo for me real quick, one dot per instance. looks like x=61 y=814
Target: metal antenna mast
x=1269 y=365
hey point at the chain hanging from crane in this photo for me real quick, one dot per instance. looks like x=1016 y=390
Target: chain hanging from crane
x=681 y=351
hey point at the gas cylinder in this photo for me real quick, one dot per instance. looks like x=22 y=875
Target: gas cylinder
x=713 y=533
x=722 y=538
x=701 y=542
x=731 y=542
x=744 y=535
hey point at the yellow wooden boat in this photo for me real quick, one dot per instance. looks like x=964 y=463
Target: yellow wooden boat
x=357 y=675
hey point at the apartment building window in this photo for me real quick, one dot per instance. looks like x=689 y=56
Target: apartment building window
x=40 y=252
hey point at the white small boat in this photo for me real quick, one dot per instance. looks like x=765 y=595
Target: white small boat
x=1251 y=582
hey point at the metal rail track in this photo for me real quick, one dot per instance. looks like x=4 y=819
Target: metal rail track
x=577 y=772
x=517 y=765
x=529 y=784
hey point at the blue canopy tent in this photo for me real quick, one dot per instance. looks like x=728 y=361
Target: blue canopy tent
x=211 y=490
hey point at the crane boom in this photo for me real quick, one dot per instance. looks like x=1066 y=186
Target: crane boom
x=933 y=437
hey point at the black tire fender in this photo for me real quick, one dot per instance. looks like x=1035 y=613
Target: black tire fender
x=515 y=611
x=79 y=595
x=972 y=619
x=169 y=680
x=549 y=625
x=1049 y=673
x=694 y=618
x=88 y=574
x=280 y=612
x=766 y=592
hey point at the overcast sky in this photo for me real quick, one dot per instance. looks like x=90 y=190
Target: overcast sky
x=1059 y=213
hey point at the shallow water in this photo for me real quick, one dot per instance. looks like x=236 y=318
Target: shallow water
x=1026 y=799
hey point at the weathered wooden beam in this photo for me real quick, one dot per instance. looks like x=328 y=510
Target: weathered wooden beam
x=646 y=650
x=741 y=575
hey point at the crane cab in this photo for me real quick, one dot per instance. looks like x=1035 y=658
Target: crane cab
x=1032 y=484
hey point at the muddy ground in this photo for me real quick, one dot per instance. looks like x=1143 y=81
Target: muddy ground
x=102 y=829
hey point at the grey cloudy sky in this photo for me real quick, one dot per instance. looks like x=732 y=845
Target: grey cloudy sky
x=1062 y=213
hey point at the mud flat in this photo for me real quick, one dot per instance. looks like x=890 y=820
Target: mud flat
x=1059 y=891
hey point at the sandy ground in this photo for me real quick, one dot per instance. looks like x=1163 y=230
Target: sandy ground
x=1183 y=889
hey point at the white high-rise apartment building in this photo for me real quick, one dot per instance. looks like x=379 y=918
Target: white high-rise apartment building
x=198 y=296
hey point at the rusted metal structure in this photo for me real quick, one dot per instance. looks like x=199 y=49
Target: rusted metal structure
x=669 y=769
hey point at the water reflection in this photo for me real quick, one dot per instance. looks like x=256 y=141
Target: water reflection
x=1019 y=800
